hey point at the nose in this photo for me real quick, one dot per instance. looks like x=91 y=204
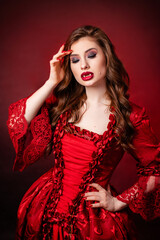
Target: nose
x=84 y=64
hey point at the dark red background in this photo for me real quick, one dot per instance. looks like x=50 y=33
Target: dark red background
x=31 y=32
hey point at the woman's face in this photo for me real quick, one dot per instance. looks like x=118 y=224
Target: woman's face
x=88 y=62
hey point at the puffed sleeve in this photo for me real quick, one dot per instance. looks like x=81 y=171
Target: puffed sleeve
x=144 y=196
x=29 y=141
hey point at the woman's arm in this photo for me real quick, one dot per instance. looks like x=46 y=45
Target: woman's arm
x=144 y=196
x=36 y=100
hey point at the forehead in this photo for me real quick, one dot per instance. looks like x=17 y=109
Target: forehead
x=84 y=43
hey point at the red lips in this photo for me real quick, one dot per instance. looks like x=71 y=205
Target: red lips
x=87 y=76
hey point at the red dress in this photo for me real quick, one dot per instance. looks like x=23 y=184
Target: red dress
x=54 y=207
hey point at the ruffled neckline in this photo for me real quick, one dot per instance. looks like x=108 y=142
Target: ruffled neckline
x=91 y=135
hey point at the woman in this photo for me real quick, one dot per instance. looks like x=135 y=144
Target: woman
x=83 y=112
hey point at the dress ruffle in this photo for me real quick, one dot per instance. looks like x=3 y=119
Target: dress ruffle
x=68 y=221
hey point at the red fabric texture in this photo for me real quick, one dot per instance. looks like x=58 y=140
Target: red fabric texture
x=28 y=148
x=144 y=196
x=53 y=207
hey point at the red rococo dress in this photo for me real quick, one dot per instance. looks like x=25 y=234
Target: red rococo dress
x=54 y=207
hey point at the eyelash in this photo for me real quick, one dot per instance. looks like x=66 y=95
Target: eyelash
x=75 y=61
x=91 y=55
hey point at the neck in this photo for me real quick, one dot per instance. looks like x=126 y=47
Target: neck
x=97 y=95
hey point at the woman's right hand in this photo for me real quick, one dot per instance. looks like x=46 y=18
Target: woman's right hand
x=56 y=69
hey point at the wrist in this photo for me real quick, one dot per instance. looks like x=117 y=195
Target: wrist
x=119 y=205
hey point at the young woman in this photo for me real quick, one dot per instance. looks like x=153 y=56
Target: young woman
x=83 y=113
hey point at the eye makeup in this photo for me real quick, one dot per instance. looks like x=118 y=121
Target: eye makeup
x=90 y=53
x=74 y=59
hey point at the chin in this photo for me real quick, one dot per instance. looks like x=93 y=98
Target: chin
x=88 y=83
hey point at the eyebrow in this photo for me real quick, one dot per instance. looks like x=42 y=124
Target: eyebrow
x=85 y=51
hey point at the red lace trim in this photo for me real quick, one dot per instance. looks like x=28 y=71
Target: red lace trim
x=145 y=204
x=51 y=215
x=18 y=127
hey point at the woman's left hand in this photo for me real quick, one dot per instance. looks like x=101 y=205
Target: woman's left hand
x=104 y=199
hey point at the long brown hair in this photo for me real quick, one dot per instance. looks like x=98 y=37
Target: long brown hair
x=71 y=95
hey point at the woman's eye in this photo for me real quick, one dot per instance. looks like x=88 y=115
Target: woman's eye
x=74 y=60
x=92 y=55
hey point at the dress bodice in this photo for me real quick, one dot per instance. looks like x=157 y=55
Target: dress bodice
x=78 y=149
x=77 y=154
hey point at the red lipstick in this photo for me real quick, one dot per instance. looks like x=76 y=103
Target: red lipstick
x=87 y=76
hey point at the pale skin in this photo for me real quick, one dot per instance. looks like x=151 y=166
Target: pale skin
x=96 y=109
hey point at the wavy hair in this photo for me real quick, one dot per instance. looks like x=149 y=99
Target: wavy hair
x=71 y=95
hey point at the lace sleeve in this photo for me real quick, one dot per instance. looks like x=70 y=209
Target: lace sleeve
x=31 y=141
x=144 y=196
